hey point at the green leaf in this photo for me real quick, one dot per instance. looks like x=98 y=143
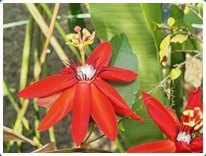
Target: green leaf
x=122 y=52
x=192 y=18
x=111 y=19
x=179 y=38
x=175 y=73
x=152 y=16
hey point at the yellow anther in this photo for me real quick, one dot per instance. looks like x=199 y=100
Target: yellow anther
x=86 y=32
x=189 y=113
x=198 y=125
x=200 y=113
x=194 y=118
x=190 y=124
x=71 y=36
x=75 y=41
x=78 y=40
x=201 y=116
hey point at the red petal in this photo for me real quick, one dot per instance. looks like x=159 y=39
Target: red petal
x=100 y=56
x=118 y=102
x=81 y=112
x=103 y=113
x=68 y=70
x=48 y=101
x=163 y=146
x=47 y=86
x=59 y=109
x=197 y=144
x=182 y=147
x=174 y=115
x=118 y=74
x=161 y=116
x=194 y=99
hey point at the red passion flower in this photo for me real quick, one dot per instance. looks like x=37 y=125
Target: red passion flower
x=82 y=90
x=181 y=134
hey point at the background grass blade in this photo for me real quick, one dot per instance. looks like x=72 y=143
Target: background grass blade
x=45 y=29
x=62 y=32
x=26 y=55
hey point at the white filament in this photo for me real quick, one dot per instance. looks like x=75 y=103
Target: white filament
x=182 y=136
x=86 y=73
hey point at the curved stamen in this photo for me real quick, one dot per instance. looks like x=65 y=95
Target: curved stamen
x=195 y=118
x=85 y=73
x=191 y=122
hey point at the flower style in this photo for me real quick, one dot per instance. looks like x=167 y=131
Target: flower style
x=82 y=89
x=181 y=134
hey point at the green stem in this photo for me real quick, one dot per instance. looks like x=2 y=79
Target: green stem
x=19 y=144
x=119 y=146
x=52 y=134
x=24 y=71
x=177 y=58
x=48 y=11
x=21 y=115
x=37 y=136
x=45 y=29
x=26 y=54
x=10 y=97
x=89 y=133
x=14 y=24
x=95 y=139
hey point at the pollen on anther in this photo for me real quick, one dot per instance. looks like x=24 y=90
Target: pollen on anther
x=190 y=124
x=198 y=126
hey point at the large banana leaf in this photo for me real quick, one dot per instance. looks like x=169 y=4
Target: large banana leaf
x=112 y=19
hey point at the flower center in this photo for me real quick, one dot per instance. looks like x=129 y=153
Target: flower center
x=182 y=136
x=192 y=121
x=195 y=118
x=86 y=72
